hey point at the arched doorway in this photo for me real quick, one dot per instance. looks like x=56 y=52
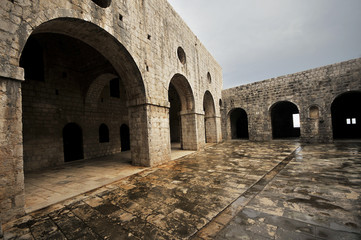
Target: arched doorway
x=285 y=120
x=346 y=116
x=124 y=138
x=239 y=124
x=182 y=121
x=210 y=127
x=72 y=142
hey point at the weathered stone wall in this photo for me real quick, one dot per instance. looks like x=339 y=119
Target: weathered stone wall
x=315 y=87
x=140 y=40
x=11 y=151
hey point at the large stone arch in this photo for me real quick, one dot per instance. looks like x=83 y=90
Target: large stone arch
x=113 y=50
x=210 y=121
x=281 y=114
x=184 y=115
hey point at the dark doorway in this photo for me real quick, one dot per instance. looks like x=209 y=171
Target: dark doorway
x=285 y=120
x=346 y=116
x=239 y=124
x=73 y=142
x=103 y=133
x=124 y=137
x=174 y=117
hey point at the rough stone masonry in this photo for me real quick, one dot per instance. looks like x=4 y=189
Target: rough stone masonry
x=86 y=79
x=75 y=75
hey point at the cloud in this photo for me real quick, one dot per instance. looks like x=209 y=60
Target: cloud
x=258 y=39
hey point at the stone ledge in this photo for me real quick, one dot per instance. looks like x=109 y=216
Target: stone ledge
x=12 y=72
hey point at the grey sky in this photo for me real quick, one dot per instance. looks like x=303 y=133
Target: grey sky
x=255 y=40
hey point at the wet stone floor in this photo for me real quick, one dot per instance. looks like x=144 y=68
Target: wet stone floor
x=232 y=190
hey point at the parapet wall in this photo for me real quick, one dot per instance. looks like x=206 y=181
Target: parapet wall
x=316 y=87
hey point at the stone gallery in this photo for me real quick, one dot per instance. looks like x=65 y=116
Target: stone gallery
x=87 y=79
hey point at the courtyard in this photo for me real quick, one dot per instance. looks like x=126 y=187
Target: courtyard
x=232 y=190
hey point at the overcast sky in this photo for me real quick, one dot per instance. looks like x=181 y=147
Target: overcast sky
x=255 y=40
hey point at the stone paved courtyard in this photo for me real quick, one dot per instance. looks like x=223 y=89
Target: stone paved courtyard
x=233 y=190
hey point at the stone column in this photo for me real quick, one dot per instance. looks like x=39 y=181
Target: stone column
x=12 y=195
x=149 y=134
x=190 y=139
x=213 y=126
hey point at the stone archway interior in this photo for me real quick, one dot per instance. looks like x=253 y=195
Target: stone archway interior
x=285 y=120
x=182 y=118
x=239 y=124
x=346 y=116
x=62 y=85
x=209 y=118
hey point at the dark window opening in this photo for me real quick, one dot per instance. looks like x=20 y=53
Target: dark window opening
x=72 y=142
x=181 y=55
x=103 y=133
x=114 y=88
x=103 y=3
x=209 y=77
x=239 y=124
x=32 y=60
x=346 y=111
x=120 y=17
x=285 y=120
x=124 y=138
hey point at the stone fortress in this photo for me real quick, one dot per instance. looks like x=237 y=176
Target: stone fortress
x=85 y=79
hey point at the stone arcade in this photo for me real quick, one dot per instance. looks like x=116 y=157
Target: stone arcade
x=86 y=79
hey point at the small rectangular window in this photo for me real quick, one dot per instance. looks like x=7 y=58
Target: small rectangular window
x=353 y=121
x=296 y=120
x=348 y=121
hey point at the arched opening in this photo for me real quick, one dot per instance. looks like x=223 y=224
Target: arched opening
x=285 y=120
x=103 y=133
x=72 y=142
x=239 y=124
x=73 y=75
x=88 y=78
x=346 y=116
x=181 y=113
x=124 y=138
x=209 y=118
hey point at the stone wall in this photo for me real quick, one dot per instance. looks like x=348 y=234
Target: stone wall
x=139 y=41
x=11 y=151
x=308 y=89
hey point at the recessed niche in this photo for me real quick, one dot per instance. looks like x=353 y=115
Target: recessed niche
x=209 y=77
x=102 y=3
x=181 y=55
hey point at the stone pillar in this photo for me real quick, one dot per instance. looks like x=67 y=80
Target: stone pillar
x=149 y=134
x=190 y=139
x=213 y=126
x=12 y=195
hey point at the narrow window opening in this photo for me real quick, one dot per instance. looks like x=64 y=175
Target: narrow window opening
x=149 y=37
x=181 y=55
x=114 y=88
x=209 y=77
x=296 y=120
x=353 y=121
x=348 y=121
x=120 y=17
